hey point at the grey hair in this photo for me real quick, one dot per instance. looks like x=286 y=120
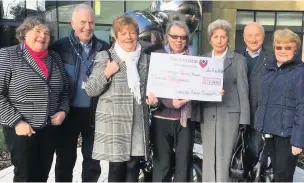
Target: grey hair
x=28 y=24
x=219 y=24
x=180 y=24
x=82 y=6
x=258 y=24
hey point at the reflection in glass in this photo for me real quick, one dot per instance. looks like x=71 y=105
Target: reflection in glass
x=8 y=36
x=65 y=9
x=265 y=18
x=35 y=7
x=137 y=5
x=14 y=9
x=284 y=19
x=108 y=10
x=244 y=17
x=64 y=30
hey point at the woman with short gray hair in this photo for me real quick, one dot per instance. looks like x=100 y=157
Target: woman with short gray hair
x=33 y=100
x=221 y=121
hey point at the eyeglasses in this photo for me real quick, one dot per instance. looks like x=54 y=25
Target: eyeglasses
x=287 y=48
x=177 y=36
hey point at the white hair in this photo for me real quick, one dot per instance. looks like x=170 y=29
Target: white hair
x=258 y=24
x=219 y=24
x=82 y=6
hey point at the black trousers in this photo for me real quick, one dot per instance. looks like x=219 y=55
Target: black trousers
x=127 y=171
x=32 y=157
x=167 y=135
x=78 y=121
x=283 y=161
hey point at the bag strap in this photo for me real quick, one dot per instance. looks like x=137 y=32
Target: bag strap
x=109 y=54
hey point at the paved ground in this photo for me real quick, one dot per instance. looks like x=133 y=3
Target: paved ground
x=6 y=175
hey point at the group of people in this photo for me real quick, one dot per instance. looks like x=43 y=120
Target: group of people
x=52 y=92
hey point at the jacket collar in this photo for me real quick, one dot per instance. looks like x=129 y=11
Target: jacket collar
x=262 y=59
x=24 y=54
x=96 y=45
x=228 y=57
x=296 y=59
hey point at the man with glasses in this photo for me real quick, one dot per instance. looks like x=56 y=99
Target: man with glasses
x=78 y=52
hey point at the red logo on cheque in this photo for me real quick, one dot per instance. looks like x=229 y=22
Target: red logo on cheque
x=203 y=63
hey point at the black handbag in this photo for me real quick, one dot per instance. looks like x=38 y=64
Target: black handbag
x=262 y=171
x=237 y=169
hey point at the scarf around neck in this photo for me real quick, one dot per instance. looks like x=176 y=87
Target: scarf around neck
x=39 y=57
x=131 y=60
x=187 y=108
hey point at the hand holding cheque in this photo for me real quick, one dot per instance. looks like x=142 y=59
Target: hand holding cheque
x=185 y=77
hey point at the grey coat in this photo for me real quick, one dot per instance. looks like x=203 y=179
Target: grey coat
x=114 y=113
x=221 y=119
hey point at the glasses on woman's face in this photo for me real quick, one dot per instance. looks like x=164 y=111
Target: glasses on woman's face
x=287 y=48
x=177 y=36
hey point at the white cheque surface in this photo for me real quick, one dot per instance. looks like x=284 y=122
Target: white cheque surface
x=185 y=77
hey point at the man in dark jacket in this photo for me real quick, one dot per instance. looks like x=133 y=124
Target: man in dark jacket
x=78 y=52
x=257 y=59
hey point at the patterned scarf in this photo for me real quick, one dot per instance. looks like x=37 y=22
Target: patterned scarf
x=187 y=108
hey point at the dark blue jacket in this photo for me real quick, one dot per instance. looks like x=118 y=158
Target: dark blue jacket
x=281 y=101
x=71 y=61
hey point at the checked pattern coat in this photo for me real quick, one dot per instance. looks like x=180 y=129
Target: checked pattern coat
x=114 y=113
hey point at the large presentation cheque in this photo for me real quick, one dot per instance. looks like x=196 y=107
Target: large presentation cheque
x=185 y=77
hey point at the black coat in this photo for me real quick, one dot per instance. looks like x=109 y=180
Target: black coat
x=281 y=101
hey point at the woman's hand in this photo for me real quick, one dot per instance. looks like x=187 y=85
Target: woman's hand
x=177 y=103
x=151 y=100
x=295 y=150
x=112 y=68
x=222 y=92
x=58 y=118
x=22 y=128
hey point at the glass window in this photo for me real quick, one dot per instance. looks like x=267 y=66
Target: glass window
x=103 y=33
x=265 y=18
x=36 y=7
x=137 y=5
x=64 y=30
x=244 y=17
x=8 y=35
x=294 y=23
x=195 y=42
x=284 y=19
x=105 y=11
x=13 y=9
x=65 y=9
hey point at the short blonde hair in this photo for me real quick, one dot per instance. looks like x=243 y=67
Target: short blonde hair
x=286 y=36
x=123 y=21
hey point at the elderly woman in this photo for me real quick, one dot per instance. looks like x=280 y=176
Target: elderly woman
x=221 y=120
x=170 y=126
x=33 y=100
x=280 y=113
x=119 y=78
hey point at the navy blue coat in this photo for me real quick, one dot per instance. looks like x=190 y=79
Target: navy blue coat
x=281 y=101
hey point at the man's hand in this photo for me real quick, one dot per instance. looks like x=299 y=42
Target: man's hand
x=179 y=103
x=58 y=118
x=295 y=150
x=112 y=68
x=22 y=128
